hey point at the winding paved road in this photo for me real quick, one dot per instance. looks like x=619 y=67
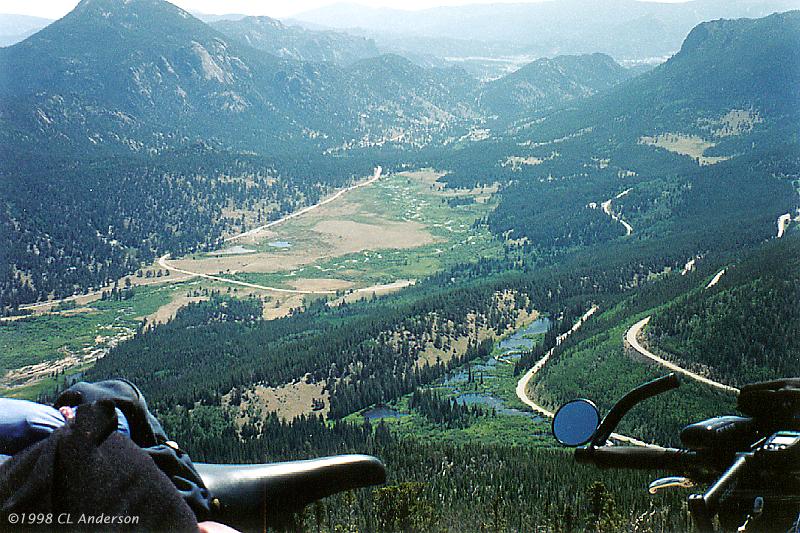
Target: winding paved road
x=522 y=384
x=632 y=336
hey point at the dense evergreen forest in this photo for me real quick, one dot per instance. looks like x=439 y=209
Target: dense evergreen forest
x=744 y=329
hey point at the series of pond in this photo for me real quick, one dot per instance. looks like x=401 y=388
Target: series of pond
x=518 y=341
x=484 y=400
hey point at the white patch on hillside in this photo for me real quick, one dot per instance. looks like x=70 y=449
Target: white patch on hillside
x=233 y=102
x=211 y=70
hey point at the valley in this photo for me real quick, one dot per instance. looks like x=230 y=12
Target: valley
x=369 y=239
x=304 y=241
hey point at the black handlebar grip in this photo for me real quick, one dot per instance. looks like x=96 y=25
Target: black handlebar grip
x=652 y=458
x=639 y=394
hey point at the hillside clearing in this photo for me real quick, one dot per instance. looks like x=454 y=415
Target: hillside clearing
x=689 y=145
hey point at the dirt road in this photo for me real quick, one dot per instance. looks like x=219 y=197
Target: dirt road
x=522 y=384
x=375 y=177
x=715 y=279
x=618 y=218
x=632 y=336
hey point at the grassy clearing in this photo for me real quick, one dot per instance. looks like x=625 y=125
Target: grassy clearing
x=62 y=341
x=46 y=337
x=690 y=145
x=404 y=227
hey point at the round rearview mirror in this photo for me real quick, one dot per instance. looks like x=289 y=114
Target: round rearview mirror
x=575 y=422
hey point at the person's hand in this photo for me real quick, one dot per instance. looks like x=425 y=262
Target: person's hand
x=67 y=412
x=214 y=527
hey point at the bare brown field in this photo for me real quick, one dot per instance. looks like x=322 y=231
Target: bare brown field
x=167 y=312
x=288 y=401
x=347 y=236
x=690 y=145
x=734 y=122
x=281 y=306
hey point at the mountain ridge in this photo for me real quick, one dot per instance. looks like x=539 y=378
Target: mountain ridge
x=551 y=81
x=272 y=36
x=642 y=29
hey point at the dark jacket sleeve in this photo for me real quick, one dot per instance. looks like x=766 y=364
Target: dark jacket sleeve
x=87 y=469
x=146 y=431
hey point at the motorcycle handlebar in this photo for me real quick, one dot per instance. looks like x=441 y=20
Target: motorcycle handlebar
x=637 y=395
x=652 y=458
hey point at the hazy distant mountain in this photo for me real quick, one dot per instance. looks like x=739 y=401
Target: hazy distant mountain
x=734 y=83
x=745 y=64
x=208 y=19
x=14 y=28
x=146 y=75
x=549 y=82
x=625 y=29
x=297 y=43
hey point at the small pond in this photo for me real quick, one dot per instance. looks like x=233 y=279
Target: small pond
x=279 y=244
x=519 y=341
x=381 y=411
x=484 y=400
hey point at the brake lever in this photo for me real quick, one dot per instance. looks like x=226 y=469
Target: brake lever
x=758 y=509
x=669 y=482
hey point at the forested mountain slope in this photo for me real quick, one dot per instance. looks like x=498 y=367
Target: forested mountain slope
x=741 y=330
x=724 y=65
x=147 y=76
x=549 y=82
x=713 y=126
x=746 y=328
